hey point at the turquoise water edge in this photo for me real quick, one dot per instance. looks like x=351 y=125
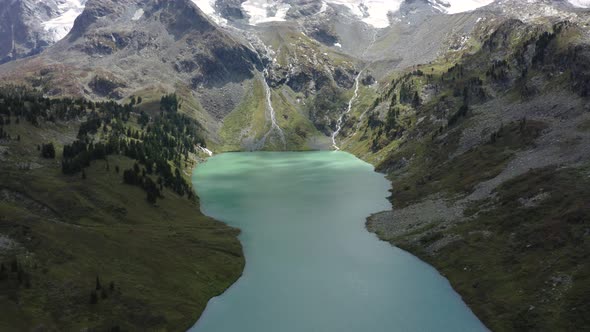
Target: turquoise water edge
x=310 y=263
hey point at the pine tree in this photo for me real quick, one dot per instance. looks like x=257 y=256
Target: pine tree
x=93 y=297
x=416 y=101
x=27 y=280
x=48 y=151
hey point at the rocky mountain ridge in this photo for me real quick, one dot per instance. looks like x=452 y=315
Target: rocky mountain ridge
x=39 y=24
x=483 y=148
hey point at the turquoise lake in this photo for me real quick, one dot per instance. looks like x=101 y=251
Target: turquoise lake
x=310 y=263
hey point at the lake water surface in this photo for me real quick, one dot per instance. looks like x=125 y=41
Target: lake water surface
x=310 y=263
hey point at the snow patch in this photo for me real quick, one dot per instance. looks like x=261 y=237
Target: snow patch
x=372 y=12
x=138 y=14
x=375 y=13
x=458 y=6
x=61 y=25
x=263 y=11
x=580 y=3
x=208 y=7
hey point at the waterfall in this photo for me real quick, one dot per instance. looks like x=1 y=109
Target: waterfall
x=341 y=118
x=355 y=95
x=274 y=128
x=205 y=150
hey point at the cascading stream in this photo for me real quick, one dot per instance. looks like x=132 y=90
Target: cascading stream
x=354 y=96
x=255 y=45
x=273 y=120
x=341 y=118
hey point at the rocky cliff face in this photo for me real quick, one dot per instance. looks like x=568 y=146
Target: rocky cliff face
x=118 y=47
x=27 y=27
x=19 y=35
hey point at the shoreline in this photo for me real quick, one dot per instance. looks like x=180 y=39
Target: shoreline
x=366 y=228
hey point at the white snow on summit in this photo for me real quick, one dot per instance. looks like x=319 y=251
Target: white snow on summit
x=580 y=3
x=68 y=11
x=373 y=12
x=458 y=6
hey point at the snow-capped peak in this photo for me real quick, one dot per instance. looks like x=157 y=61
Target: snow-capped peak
x=375 y=13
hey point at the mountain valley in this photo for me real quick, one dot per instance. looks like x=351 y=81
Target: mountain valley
x=478 y=112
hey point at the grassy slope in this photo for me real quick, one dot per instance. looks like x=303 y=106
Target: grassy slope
x=518 y=267
x=166 y=261
x=294 y=120
x=249 y=121
x=525 y=268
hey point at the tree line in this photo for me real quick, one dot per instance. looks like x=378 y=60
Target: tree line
x=161 y=143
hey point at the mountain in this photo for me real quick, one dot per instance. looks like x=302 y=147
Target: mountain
x=29 y=26
x=487 y=152
x=476 y=110
x=139 y=48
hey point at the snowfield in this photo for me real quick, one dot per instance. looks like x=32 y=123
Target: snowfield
x=372 y=12
x=458 y=6
x=68 y=11
x=580 y=3
x=208 y=7
x=262 y=11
